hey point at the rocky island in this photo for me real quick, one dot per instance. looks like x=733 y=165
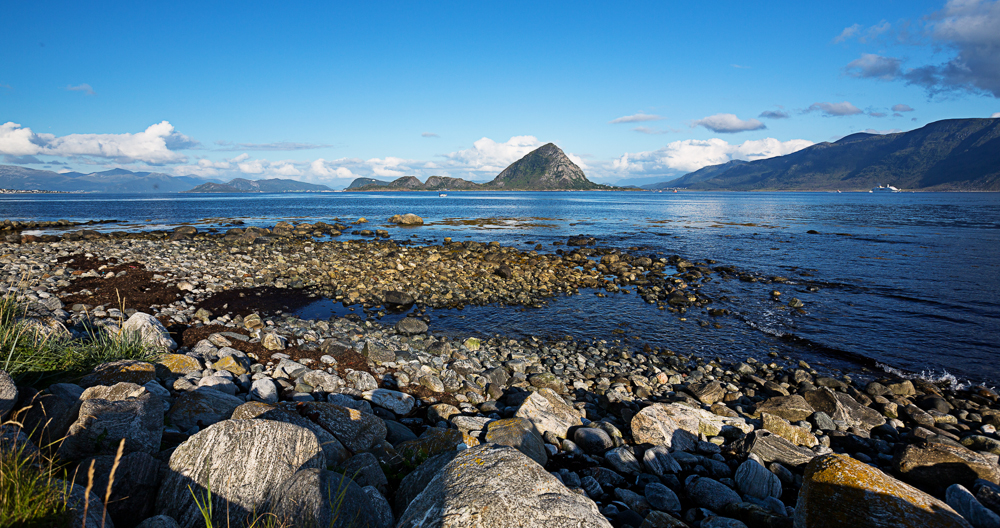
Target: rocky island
x=546 y=168
x=230 y=406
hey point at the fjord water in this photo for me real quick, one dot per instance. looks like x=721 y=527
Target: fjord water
x=909 y=281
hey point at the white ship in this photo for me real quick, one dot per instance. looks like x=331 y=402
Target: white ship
x=881 y=189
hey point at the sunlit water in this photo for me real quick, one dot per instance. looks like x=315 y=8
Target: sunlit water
x=908 y=280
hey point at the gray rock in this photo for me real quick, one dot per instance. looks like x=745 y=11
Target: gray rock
x=219 y=383
x=317 y=497
x=518 y=491
x=707 y=392
x=241 y=460
x=755 y=480
x=133 y=492
x=335 y=451
x=549 y=412
x=264 y=390
x=623 y=461
x=592 y=440
x=657 y=460
x=592 y=487
x=202 y=407
x=397 y=433
x=520 y=434
x=633 y=500
x=415 y=482
x=102 y=424
x=411 y=326
x=323 y=381
x=842 y=407
x=289 y=369
x=361 y=380
x=721 y=522
x=793 y=408
x=377 y=354
x=711 y=494
x=662 y=498
x=364 y=469
x=8 y=394
x=159 y=521
x=773 y=448
x=15 y=441
x=151 y=331
x=397 y=402
x=677 y=426
x=358 y=431
x=968 y=507
x=381 y=510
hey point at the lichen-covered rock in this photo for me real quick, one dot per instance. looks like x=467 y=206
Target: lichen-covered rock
x=678 y=426
x=520 y=434
x=124 y=371
x=936 y=466
x=839 y=491
x=317 y=497
x=103 y=424
x=356 y=430
x=499 y=487
x=177 y=365
x=793 y=433
x=707 y=392
x=408 y=219
x=793 y=408
x=549 y=412
x=151 y=331
x=241 y=460
x=202 y=407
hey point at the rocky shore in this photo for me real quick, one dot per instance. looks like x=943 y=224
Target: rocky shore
x=347 y=422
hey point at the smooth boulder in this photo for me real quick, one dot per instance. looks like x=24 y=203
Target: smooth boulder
x=499 y=487
x=549 y=412
x=678 y=426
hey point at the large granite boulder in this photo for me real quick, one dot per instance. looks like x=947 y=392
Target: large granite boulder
x=520 y=434
x=240 y=461
x=500 y=487
x=793 y=408
x=286 y=412
x=549 y=412
x=839 y=491
x=317 y=497
x=841 y=406
x=677 y=426
x=102 y=424
x=770 y=447
x=123 y=371
x=415 y=482
x=48 y=414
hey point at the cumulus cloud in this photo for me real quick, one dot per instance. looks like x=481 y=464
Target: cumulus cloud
x=728 y=124
x=429 y=135
x=85 y=88
x=995 y=115
x=834 y=109
x=153 y=145
x=487 y=155
x=871 y=66
x=848 y=32
x=635 y=118
x=691 y=154
x=774 y=114
x=901 y=108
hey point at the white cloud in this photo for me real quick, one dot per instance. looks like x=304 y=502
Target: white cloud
x=635 y=118
x=774 y=114
x=871 y=66
x=691 y=154
x=834 y=109
x=901 y=108
x=995 y=115
x=848 y=32
x=85 y=88
x=487 y=155
x=152 y=145
x=728 y=124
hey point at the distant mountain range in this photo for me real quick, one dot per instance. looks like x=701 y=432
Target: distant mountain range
x=111 y=181
x=546 y=168
x=948 y=155
x=273 y=185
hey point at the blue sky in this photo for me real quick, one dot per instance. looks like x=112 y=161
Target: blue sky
x=326 y=92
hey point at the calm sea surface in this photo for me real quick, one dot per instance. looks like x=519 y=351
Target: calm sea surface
x=908 y=281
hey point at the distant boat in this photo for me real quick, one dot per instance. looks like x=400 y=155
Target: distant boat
x=675 y=190
x=881 y=189
x=442 y=194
